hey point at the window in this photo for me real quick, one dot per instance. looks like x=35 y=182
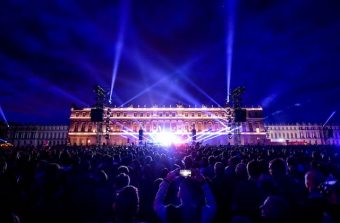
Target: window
x=192 y=114
x=186 y=114
x=125 y=114
x=84 y=114
x=75 y=127
x=118 y=114
x=199 y=114
x=83 y=127
x=141 y=114
x=250 y=127
x=135 y=114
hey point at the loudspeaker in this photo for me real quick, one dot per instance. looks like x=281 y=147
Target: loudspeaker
x=193 y=134
x=240 y=115
x=97 y=115
x=140 y=134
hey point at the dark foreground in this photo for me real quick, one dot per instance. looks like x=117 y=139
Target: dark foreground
x=148 y=184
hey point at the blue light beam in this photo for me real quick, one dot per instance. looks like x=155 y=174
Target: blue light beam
x=229 y=30
x=3 y=116
x=120 y=43
x=329 y=118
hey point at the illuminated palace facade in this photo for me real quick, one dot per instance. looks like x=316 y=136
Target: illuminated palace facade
x=303 y=134
x=173 y=124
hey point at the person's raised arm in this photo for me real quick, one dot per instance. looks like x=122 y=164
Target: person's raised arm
x=209 y=209
x=159 y=205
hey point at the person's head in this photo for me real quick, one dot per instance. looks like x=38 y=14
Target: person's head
x=233 y=161
x=211 y=160
x=187 y=161
x=123 y=169
x=101 y=177
x=275 y=209
x=127 y=204
x=229 y=171
x=241 y=171
x=277 y=167
x=291 y=163
x=148 y=160
x=122 y=180
x=313 y=179
x=253 y=169
x=164 y=172
x=218 y=169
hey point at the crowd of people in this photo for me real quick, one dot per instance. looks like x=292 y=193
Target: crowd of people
x=191 y=183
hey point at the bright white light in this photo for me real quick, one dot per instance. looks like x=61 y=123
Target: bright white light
x=166 y=138
x=281 y=140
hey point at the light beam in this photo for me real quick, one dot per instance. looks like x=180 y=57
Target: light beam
x=329 y=118
x=229 y=29
x=3 y=116
x=119 y=44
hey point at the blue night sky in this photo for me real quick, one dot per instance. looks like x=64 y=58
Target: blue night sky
x=286 y=53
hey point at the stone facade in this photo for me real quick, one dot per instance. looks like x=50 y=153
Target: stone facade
x=210 y=124
x=38 y=135
x=299 y=134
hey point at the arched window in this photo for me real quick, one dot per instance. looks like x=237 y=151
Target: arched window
x=75 y=127
x=83 y=127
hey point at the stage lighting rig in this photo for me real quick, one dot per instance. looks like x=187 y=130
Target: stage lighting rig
x=238 y=115
x=236 y=96
x=107 y=123
x=97 y=113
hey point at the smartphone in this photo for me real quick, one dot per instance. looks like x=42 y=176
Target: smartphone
x=185 y=173
x=331 y=182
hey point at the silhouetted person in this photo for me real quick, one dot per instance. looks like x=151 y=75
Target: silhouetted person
x=197 y=202
x=275 y=209
x=126 y=205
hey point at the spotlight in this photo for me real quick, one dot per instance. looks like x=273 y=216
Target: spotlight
x=166 y=138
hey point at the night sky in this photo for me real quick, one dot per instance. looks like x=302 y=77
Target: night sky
x=286 y=53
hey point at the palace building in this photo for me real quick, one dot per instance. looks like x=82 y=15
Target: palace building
x=127 y=125
x=37 y=135
x=303 y=133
